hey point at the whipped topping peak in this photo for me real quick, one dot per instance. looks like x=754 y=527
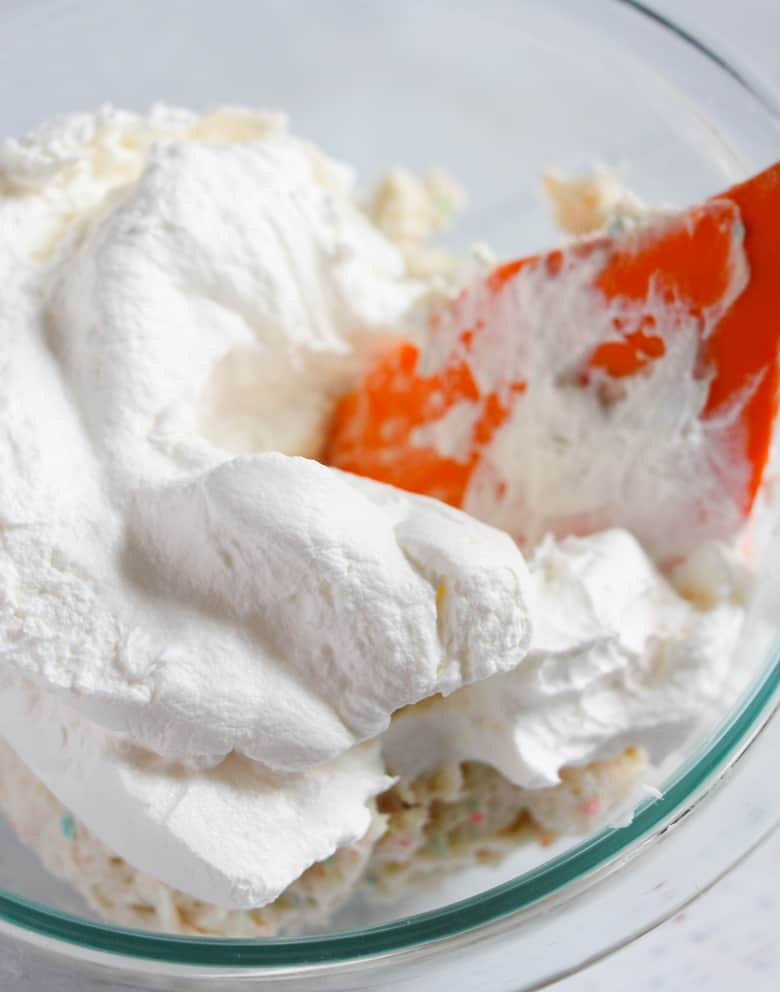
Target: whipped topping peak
x=333 y=601
x=214 y=301
x=227 y=294
x=617 y=657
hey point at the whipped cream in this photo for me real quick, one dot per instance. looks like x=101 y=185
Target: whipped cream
x=197 y=632
x=337 y=600
x=235 y=835
x=123 y=514
x=617 y=657
x=202 y=633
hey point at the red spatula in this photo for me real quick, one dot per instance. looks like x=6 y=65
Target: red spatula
x=625 y=381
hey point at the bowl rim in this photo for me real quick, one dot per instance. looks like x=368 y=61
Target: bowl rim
x=769 y=99
x=564 y=875
x=567 y=874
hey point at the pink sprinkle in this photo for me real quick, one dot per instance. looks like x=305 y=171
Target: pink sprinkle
x=476 y=818
x=591 y=807
x=404 y=841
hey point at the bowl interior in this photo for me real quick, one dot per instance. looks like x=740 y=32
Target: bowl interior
x=493 y=93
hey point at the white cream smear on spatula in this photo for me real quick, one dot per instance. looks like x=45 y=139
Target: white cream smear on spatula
x=202 y=637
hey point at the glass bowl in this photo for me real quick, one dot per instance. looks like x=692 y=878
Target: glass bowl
x=494 y=93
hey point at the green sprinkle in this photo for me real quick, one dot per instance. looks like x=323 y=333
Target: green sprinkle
x=472 y=804
x=371 y=879
x=436 y=846
x=67 y=826
x=445 y=207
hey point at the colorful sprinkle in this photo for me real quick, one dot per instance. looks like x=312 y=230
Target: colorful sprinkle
x=371 y=879
x=616 y=226
x=403 y=841
x=477 y=819
x=472 y=804
x=67 y=826
x=436 y=846
x=444 y=205
x=591 y=807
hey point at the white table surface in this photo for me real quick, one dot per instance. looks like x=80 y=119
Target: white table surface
x=729 y=938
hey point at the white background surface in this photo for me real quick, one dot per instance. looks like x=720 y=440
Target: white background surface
x=730 y=938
